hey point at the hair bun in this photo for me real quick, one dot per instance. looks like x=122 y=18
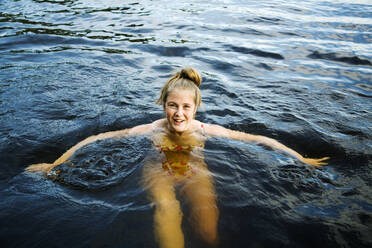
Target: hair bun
x=191 y=74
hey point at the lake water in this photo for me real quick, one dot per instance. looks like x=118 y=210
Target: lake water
x=296 y=71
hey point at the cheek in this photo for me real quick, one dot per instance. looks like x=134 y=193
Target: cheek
x=193 y=112
x=168 y=112
x=190 y=114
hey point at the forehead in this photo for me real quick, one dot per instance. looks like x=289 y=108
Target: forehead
x=181 y=96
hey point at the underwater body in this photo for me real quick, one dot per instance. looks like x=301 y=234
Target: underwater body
x=299 y=72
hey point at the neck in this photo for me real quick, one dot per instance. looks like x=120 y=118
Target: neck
x=178 y=134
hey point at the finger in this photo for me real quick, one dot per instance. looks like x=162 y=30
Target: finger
x=38 y=167
x=322 y=159
x=32 y=168
x=317 y=163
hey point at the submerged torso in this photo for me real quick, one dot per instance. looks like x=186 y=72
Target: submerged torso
x=181 y=154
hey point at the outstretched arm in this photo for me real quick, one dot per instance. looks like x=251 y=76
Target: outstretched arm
x=46 y=167
x=215 y=130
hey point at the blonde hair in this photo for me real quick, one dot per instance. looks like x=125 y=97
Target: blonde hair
x=187 y=78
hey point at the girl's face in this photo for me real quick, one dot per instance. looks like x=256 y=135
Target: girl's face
x=180 y=109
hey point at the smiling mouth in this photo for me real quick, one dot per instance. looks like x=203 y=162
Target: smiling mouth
x=178 y=122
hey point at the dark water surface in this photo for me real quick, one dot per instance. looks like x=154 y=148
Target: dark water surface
x=296 y=71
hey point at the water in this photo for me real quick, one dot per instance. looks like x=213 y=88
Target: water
x=299 y=72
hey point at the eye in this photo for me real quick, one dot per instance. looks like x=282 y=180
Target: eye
x=171 y=105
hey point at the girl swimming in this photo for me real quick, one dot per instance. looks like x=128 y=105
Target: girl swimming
x=180 y=139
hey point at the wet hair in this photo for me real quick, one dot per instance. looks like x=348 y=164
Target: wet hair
x=187 y=78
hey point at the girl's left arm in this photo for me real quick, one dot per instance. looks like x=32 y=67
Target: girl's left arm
x=219 y=131
x=46 y=167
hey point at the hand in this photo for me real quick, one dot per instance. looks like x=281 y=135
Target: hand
x=315 y=161
x=40 y=167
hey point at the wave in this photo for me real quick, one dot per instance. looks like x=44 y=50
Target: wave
x=352 y=60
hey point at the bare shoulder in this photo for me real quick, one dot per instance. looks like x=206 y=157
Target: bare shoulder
x=146 y=128
x=220 y=131
x=159 y=123
x=214 y=130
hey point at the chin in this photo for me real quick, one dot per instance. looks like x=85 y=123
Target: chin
x=180 y=129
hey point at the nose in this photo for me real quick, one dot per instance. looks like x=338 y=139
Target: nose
x=179 y=111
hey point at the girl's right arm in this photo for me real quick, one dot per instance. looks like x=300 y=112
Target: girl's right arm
x=46 y=167
x=216 y=130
